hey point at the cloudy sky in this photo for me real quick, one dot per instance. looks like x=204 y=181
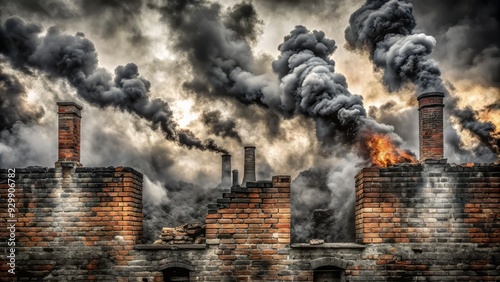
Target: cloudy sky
x=167 y=86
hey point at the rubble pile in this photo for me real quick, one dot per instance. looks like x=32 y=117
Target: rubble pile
x=185 y=234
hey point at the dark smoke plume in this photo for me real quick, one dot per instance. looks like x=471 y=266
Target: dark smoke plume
x=494 y=106
x=464 y=32
x=221 y=127
x=74 y=58
x=217 y=45
x=485 y=131
x=324 y=188
x=385 y=29
x=110 y=19
x=13 y=104
x=311 y=87
x=312 y=193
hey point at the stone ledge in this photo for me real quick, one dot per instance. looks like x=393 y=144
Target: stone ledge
x=328 y=246
x=152 y=247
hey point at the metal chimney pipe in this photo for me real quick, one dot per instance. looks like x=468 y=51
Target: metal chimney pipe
x=226 y=171
x=249 y=167
x=430 y=116
x=235 y=177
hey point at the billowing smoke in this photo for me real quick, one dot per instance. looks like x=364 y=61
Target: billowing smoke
x=180 y=203
x=13 y=103
x=404 y=119
x=331 y=188
x=219 y=126
x=217 y=46
x=311 y=192
x=74 y=58
x=385 y=29
x=466 y=48
x=484 y=130
x=311 y=87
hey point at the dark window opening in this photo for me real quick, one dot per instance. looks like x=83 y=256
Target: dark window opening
x=175 y=274
x=328 y=274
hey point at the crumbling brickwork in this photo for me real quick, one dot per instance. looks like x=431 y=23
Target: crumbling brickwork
x=429 y=222
x=251 y=227
x=73 y=222
x=448 y=213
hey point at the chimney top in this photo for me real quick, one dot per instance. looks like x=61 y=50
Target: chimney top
x=69 y=104
x=430 y=94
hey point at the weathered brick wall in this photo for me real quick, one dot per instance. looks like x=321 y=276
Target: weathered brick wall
x=427 y=262
x=250 y=228
x=430 y=203
x=73 y=223
x=454 y=210
x=431 y=223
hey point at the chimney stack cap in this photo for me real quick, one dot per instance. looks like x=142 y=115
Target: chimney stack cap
x=430 y=94
x=65 y=108
x=249 y=146
x=70 y=104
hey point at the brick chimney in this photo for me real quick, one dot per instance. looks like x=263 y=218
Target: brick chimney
x=249 y=166
x=226 y=171
x=69 y=134
x=430 y=108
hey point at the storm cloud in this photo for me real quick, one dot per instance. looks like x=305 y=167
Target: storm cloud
x=217 y=46
x=219 y=126
x=14 y=105
x=75 y=59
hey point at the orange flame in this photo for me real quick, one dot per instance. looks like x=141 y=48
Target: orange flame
x=384 y=153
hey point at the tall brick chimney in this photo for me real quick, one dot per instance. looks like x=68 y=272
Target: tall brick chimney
x=69 y=134
x=430 y=108
x=226 y=171
x=249 y=166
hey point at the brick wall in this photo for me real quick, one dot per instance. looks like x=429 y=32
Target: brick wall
x=426 y=262
x=449 y=215
x=250 y=228
x=427 y=222
x=73 y=223
x=437 y=203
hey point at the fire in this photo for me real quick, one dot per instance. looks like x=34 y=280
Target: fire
x=384 y=153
